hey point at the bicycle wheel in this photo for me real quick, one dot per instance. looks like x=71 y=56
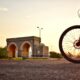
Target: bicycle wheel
x=69 y=44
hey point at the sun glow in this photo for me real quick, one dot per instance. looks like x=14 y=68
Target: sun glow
x=21 y=18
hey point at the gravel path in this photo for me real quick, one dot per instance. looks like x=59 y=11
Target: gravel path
x=39 y=70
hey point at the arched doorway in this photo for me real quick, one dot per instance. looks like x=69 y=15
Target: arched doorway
x=26 y=49
x=30 y=52
x=12 y=50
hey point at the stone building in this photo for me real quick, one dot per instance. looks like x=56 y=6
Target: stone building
x=26 y=47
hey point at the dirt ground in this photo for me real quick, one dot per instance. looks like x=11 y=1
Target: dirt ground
x=51 y=69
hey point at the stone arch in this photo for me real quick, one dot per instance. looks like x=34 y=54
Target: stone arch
x=26 y=49
x=12 y=50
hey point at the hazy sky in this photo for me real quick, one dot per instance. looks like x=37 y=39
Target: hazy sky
x=19 y=18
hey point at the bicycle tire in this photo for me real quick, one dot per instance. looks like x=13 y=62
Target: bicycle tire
x=61 y=41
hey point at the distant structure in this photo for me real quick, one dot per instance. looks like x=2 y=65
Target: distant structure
x=26 y=47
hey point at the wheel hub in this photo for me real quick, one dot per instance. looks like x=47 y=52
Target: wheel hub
x=76 y=44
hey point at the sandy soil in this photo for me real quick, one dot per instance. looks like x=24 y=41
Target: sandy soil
x=51 y=69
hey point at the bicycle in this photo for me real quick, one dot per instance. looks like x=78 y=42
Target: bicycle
x=69 y=43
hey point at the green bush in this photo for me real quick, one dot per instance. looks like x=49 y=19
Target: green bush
x=3 y=52
x=55 y=55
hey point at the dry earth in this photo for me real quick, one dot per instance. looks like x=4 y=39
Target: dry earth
x=51 y=69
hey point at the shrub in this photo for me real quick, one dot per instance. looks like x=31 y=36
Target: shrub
x=55 y=55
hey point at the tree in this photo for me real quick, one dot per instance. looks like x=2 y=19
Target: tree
x=3 y=52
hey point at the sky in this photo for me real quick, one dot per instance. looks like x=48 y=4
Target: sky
x=20 y=18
